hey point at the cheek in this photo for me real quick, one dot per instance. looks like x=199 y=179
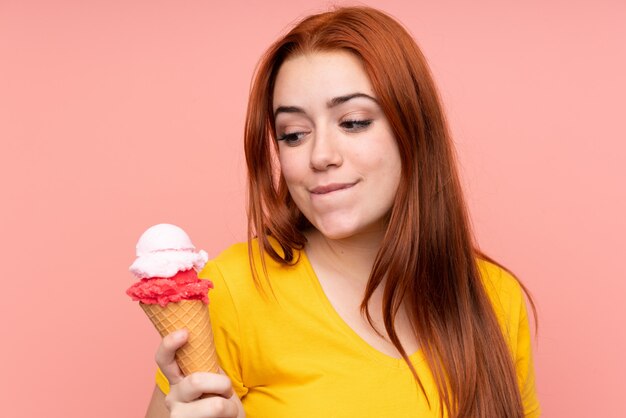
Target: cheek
x=285 y=167
x=395 y=174
x=383 y=161
x=390 y=168
x=290 y=168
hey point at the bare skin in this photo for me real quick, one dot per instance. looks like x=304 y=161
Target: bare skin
x=343 y=268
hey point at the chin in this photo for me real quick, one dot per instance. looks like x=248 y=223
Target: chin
x=343 y=230
x=335 y=230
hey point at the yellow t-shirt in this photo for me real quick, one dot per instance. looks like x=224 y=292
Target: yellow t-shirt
x=294 y=356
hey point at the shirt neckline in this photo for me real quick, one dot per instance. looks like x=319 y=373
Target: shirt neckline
x=398 y=363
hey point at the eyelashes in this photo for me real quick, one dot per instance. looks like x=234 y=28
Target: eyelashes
x=356 y=125
x=291 y=137
x=351 y=126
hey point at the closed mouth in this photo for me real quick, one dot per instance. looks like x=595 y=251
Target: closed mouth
x=333 y=187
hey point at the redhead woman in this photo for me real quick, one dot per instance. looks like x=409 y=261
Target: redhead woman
x=360 y=292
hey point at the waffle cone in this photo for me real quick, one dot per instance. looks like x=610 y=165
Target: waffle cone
x=198 y=354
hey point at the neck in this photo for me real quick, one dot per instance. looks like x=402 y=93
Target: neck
x=352 y=257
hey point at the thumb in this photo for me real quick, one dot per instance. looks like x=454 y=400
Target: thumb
x=166 y=355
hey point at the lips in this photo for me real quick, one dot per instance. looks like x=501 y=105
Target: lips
x=329 y=188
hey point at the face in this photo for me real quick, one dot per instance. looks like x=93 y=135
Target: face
x=337 y=153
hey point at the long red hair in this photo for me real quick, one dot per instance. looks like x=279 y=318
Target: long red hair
x=428 y=254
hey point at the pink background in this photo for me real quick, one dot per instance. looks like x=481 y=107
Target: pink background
x=115 y=115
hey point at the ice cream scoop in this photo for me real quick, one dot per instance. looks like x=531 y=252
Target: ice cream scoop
x=163 y=250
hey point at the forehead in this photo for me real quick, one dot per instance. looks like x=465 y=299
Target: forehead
x=320 y=75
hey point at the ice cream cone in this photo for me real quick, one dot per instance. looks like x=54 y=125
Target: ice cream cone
x=198 y=354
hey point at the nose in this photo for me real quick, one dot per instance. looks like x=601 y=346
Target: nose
x=325 y=152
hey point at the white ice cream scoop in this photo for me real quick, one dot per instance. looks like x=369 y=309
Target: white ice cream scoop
x=165 y=249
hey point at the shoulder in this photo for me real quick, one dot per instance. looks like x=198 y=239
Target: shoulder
x=234 y=263
x=234 y=257
x=232 y=275
x=505 y=294
x=498 y=282
x=229 y=271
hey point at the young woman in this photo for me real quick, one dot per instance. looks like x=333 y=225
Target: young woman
x=361 y=292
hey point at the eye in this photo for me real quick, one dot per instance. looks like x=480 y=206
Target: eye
x=356 y=125
x=292 y=138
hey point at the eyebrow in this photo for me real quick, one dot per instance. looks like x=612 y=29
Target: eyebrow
x=335 y=101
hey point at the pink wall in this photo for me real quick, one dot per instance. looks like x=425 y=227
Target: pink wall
x=116 y=115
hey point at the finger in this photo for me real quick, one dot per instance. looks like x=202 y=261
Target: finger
x=213 y=407
x=200 y=383
x=166 y=355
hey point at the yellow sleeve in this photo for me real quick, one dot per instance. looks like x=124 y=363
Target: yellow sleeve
x=524 y=366
x=162 y=382
x=225 y=326
x=508 y=301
